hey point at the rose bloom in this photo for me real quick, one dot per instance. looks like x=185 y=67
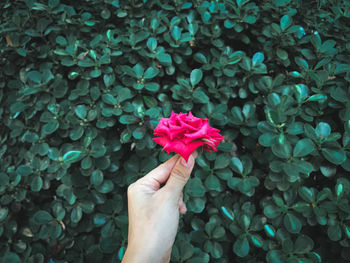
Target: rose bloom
x=182 y=133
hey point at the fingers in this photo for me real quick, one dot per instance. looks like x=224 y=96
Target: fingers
x=179 y=175
x=182 y=208
x=160 y=174
x=182 y=205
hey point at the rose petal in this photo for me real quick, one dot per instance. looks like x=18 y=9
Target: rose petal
x=160 y=140
x=184 y=150
x=183 y=133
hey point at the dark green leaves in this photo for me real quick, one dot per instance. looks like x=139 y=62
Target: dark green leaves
x=292 y=223
x=127 y=119
x=334 y=155
x=241 y=246
x=34 y=76
x=195 y=187
x=212 y=183
x=71 y=156
x=196 y=76
x=81 y=111
x=282 y=150
x=323 y=130
x=221 y=161
x=150 y=73
x=285 y=22
x=42 y=217
x=303 y=148
x=237 y=165
x=303 y=244
x=11 y=257
x=84 y=85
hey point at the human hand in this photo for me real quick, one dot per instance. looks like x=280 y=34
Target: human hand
x=154 y=211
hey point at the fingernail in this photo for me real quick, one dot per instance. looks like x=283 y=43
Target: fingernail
x=189 y=161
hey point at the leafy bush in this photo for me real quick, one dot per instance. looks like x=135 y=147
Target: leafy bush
x=84 y=83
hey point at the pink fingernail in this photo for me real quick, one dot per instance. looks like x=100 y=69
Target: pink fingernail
x=188 y=163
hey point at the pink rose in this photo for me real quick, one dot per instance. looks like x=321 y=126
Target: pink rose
x=182 y=133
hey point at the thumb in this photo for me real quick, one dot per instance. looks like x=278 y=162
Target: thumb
x=179 y=175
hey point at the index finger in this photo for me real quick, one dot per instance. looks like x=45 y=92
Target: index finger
x=160 y=174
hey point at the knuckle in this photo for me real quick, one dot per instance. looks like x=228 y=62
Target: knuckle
x=131 y=188
x=180 y=175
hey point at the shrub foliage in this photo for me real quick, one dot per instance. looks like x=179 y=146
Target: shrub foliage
x=84 y=83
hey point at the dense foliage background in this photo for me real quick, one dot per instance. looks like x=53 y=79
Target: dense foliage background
x=84 y=83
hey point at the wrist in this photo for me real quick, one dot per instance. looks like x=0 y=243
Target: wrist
x=140 y=253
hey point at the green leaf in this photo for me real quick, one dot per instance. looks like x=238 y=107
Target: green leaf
x=275 y=256
x=199 y=96
x=34 y=76
x=212 y=183
x=139 y=70
x=50 y=127
x=199 y=57
x=42 y=217
x=106 y=187
x=76 y=133
x=195 y=187
x=86 y=63
x=258 y=58
x=237 y=165
x=303 y=244
x=270 y=230
x=336 y=156
x=257 y=240
x=196 y=204
x=303 y=148
x=109 y=99
x=152 y=86
x=341 y=68
x=24 y=170
x=11 y=257
x=71 y=156
x=221 y=161
x=96 y=177
x=36 y=184
x=4 y=179
x=108 y=79
x=285 y=22
x=61 y=40
x=282 y=150
x=282 y=54
x=3 y=214
x=228 y=213
x=334 y=232
x=152 y=43
x=235 y=57
x=176 y=33
x=164 y=59
x=267 y=139
x=301 y=63
x=196 y=76
x=81 y=111
x=307 y=194
x=292 y=223
x=323 y=130
x=317 y=97
x=241 y=246
x=153 y=113
x=76 y=214
x=151 y=72
x=127 y=119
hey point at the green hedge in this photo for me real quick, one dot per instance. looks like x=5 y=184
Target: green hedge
x=84 y=83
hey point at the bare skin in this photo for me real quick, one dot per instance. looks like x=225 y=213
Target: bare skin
x=154 y=211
